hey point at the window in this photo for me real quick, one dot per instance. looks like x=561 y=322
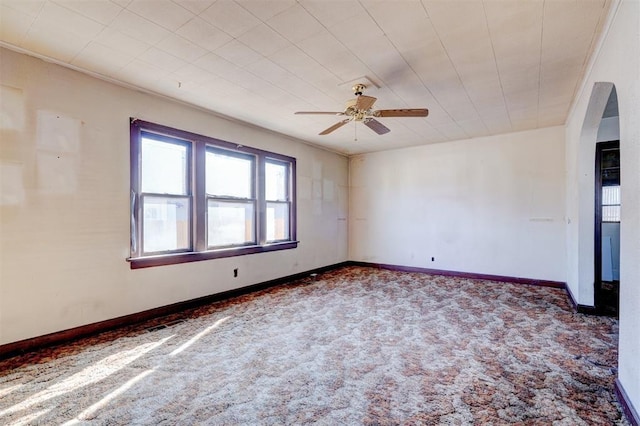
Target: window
x=231 y=199
x=278 y=200
x=608 y=163
x=611 y=203
x=196 y=198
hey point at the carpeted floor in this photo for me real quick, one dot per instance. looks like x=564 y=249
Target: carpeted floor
x=356 y=346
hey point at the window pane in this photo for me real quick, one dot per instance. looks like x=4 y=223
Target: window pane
x=610 y=195
x=276 y=181
x=611 y=203
x=165 y=224
x=229 y=175
x=611 y=213
x=610 y=158
x=277 y=221
x=230 y=223
x=164 y=167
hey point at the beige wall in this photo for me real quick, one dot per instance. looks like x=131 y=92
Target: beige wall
x=492 y=205
x=64 y=204
x=616 y=62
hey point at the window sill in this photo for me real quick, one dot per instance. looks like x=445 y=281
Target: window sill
x=176 y=258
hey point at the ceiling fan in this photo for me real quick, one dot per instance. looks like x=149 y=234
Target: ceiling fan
x=360 y=109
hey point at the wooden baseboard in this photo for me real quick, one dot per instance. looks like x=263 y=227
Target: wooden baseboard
x=581 y=309
x=500 y=278
x=628 y=408
x=27 y=345
x=584 y=309
x=34 y=343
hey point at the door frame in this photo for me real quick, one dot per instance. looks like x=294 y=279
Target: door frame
x=597 y=249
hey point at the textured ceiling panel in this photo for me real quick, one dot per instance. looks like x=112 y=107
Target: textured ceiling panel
x=480 y=67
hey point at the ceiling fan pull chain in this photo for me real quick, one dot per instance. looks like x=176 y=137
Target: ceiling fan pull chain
x=355 y=131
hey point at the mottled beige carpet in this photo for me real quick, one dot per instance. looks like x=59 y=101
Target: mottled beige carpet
x=356 y=346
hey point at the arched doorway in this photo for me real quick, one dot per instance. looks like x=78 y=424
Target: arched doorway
x=607 y=211
x=599 y=231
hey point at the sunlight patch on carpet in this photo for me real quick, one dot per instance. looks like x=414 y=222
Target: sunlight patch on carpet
x=198 y=336
x=89 y=412
x=92 y=374
x=7 y=391
x=29 y=418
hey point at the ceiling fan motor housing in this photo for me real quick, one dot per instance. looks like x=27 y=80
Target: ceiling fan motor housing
x=358 y=89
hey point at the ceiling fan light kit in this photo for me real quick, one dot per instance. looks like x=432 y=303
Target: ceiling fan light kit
x=360 y=109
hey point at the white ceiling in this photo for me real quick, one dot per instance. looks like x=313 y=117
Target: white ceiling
x=481 y=67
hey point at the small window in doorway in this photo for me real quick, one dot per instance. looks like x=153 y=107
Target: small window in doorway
x=611 y=203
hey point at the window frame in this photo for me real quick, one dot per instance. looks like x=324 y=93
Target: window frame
x=253 y=199
x=196 y=170
x=604 y=204
x=287 y=201
x=188 y=195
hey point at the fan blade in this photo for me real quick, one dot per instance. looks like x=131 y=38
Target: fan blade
x=363 y=102
x=376 y=126
x=413 y=112
x=335 y=126
x=320 y=112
